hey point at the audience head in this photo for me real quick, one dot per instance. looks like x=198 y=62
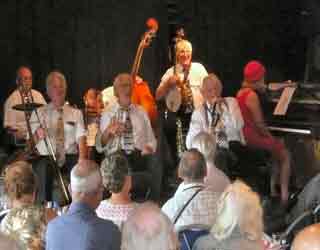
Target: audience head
x=56 y=85
x=192 y=166
x=86 y=183
x=184 y=52
x=211 y=88
x=148 y=228
x=24 y=77
x=205 y=143
x=20 y=181
x=8 y=243
x=308 y=238
x=239 y=206
x=115 y=174
x=253 y=74
x=122 y=85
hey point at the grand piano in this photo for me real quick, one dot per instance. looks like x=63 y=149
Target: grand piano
x=299 y=127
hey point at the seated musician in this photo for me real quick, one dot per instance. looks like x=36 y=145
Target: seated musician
x=186 y=76
x=217 y=115
x=15 y=120
x=255 y=130
x=125 y=128
x=61 y=126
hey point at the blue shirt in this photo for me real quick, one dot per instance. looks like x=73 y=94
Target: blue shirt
x=81 y=229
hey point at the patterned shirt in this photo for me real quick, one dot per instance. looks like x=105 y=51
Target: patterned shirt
x=26 y=225
x=201 y=210
x=117 y=213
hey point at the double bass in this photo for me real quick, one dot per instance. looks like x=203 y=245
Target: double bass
x=141 y=93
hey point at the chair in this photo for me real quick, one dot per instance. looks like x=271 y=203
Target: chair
x=189 y=234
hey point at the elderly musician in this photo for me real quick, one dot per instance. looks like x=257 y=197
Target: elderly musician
x=217 y=115
x=126 y=128
x=180 y=88
x=58 y=130
x=15 y=120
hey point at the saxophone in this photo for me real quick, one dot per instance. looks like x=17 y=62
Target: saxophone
x=179 y=139
x=186 y=93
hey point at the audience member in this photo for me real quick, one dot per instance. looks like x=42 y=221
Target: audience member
x=26 y=222
x=6 y=243
x=116 y=179
x=239 y=222
x=148 y=228
x=201 y=202
x=307 y=239
x=80 y=228
x=206 y=144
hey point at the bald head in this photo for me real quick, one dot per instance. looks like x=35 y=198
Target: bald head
x=24 y=77
x=148 y=228
x=308 y=238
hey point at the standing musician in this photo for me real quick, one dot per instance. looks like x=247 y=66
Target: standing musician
x=61 y=126
x=125 y=128
x=255 y=130
x=15 y=120
x=186 y=76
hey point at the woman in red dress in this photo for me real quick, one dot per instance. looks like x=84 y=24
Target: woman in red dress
x=255 y=130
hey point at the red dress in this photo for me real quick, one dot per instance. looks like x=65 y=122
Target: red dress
x=252 y=134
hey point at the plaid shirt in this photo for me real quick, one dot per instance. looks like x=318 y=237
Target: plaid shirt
x=201 y=210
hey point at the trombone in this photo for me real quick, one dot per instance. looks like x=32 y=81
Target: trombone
x=47 y=140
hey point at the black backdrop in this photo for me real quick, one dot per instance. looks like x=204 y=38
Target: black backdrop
x=92 y=41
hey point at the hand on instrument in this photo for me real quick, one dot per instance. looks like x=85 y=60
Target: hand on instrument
x=172 y=81
x=40 y=133
x=115 y=128
x=147 y=149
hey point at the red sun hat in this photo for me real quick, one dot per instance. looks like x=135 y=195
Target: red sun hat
x=253 y=71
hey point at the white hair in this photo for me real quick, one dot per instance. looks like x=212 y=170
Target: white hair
x=57 y=74
x=8 y=243
x=239 y=204
x=85 y=181
x=148 y=228
x=205 y=143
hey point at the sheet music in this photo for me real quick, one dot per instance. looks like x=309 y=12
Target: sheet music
x=285 y=99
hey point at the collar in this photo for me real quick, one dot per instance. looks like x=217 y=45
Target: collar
x=78 y=206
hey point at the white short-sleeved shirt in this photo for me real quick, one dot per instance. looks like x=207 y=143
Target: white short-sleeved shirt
x=14 y=118
x=196 y=74
x=73 y=127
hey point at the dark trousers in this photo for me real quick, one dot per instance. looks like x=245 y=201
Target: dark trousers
x=146 y=175
x=46 y=173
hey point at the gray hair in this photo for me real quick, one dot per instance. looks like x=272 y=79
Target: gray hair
x=192 y=165
x=8 y=243
x=85 y=177
x=148 y=228
x=57 y=74
x=205 y=143
x=122 y=77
